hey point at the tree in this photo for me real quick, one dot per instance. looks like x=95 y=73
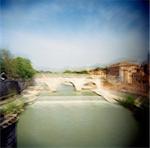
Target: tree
x=23 y=68
x=15 y=67
x=6 y=64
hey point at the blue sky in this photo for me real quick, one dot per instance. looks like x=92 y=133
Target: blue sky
x=60 y=34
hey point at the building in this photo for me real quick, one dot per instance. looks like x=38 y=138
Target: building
x=101 y=72
x=127 y=74
x=141 y=77
x=122 y=72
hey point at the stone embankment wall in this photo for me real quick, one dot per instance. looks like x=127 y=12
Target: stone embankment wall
x=8 y=137
x=8 y=134
x=11 y=87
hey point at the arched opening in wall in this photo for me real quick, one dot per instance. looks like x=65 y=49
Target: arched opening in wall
x=90 y=85
x=66 y=88
x=69 y=83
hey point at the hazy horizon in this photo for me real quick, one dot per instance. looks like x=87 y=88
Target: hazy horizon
x=70 y=34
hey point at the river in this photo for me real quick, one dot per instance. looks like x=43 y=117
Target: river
x=70 y=119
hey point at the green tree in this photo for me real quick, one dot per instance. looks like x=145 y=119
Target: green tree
x=6 y=64
x=23 y=68
x=15 y=67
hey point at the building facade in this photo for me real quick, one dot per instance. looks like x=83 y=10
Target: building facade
x=101 y=72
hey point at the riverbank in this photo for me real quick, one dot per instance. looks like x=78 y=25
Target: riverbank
x=13 y=104
x=10 y=111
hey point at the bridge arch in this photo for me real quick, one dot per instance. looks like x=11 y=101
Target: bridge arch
x=69 y=83
x=89 y=85
x=65 y=83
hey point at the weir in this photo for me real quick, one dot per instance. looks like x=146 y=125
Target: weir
x=70 y=98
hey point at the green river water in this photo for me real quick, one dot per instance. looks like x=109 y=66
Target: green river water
x=69 y=119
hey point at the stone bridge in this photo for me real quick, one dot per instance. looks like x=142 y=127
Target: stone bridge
x=78 y=83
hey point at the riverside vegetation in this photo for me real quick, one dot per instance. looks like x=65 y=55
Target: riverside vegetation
x=15 y=67
x=18 y=69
